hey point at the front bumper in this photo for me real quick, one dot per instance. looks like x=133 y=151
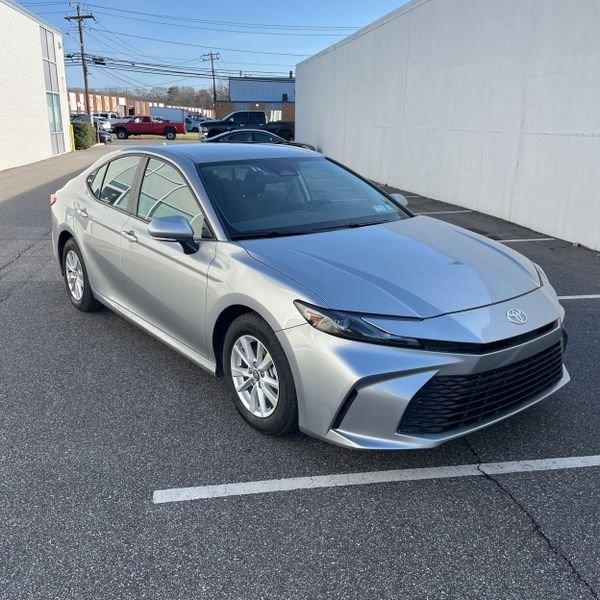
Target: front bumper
x=355 y=394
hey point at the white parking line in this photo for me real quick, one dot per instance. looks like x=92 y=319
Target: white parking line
x=581 y=297
x=538 y=239
x=370 y=477
x=443 y=212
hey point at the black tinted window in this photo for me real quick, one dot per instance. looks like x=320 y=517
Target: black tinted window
x=264 y=138
x=293 y=195
x=240 y=136
x=118 y=181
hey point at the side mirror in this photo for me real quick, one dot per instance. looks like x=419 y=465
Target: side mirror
x=174 y=229
x=400 y=198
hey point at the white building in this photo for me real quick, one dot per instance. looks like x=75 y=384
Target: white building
x=491 y=105
x=34 y=109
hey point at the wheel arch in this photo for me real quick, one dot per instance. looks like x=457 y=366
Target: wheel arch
x=226 y=317
x=64 y=236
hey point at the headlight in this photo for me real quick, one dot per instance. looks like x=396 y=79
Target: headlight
x=204 y=129
x=351 y=326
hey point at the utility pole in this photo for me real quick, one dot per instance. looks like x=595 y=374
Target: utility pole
x=80 y=18
x=212 y=56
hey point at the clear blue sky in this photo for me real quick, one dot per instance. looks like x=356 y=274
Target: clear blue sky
x=287 y=18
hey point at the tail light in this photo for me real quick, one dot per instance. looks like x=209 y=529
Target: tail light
x=53 y=199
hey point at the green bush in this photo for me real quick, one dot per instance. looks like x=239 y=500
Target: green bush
x=84 y=135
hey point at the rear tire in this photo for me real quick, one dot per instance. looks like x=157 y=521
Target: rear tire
x=170 y=134
x=275 y=407
x=76 y=279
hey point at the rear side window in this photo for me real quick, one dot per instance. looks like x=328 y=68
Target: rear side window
x=264 y=138
x=118 y=181
x=255 y=117
x=95 y=180
x=164 y=193
x=240 y=136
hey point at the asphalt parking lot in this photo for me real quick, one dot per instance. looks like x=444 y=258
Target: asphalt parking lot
x=96 y=416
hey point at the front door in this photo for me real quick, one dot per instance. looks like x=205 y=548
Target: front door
x=166 y=287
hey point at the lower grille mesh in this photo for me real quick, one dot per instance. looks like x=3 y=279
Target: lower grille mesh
x=452 y=402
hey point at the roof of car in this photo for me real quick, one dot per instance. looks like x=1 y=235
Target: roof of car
x=201 y=152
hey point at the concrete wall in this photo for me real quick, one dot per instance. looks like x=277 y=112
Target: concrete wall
x=24 y=121
x=491 y=105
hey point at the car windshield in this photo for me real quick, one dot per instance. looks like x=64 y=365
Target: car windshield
x=292 y=196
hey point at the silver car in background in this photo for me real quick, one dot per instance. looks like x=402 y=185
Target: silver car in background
x=322 y=301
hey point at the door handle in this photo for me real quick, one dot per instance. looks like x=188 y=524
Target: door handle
x=130 y=235
x=82 y=212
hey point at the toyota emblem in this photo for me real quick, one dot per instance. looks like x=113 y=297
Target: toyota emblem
x=514 y=315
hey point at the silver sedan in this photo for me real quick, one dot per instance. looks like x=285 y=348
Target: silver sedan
x=322 y=301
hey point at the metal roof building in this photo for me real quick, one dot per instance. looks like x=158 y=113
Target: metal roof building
x=258 y=89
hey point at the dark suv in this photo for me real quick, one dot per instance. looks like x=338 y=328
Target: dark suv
x=253 y=119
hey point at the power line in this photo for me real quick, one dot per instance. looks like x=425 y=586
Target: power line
x=239 y=31
x=72 y=58
x=125 y=43
x=163 y=41
x=220 y=22
x=119 y=52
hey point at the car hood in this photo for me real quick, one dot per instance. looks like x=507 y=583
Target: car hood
x=417 y=267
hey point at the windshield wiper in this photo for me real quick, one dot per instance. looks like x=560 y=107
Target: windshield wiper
x=273 y=233
x=266 y=234
x=352 y=225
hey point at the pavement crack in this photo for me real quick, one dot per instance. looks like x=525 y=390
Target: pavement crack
x=14 y=290
x=537 y=527
x=21 y=252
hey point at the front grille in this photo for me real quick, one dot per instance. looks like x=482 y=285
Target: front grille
x=451 y=402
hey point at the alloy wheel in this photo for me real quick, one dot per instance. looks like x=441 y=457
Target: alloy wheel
x=254 y=376
x=74 y=275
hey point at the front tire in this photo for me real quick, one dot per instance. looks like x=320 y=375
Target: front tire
x=259 y=376
x=122 y=134
x=76 y=279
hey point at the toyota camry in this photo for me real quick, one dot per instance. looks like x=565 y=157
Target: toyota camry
x=321 y=300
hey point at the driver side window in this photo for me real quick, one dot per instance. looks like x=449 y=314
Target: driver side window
x=164 y=192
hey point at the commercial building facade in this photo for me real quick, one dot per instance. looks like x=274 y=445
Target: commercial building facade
x=276 y=96
x=122 y=106
x=493 y=106
x=34 y=109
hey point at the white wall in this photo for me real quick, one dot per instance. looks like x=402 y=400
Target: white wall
x=24 y=122
x=489 y=104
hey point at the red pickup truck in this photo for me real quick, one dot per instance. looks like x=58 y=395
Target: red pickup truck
x=143 y=125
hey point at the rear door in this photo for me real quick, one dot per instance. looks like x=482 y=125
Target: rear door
x=101 y=213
